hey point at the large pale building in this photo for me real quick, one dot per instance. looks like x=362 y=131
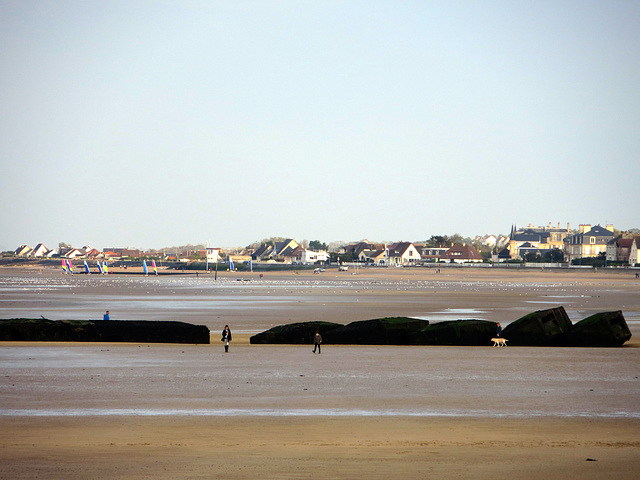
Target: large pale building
x=588 y=242
x=537 y=238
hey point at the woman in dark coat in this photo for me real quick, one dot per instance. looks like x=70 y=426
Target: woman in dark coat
x=226 y=338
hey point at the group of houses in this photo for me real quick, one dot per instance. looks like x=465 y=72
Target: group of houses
x=290 y=252
x=41 y=251
x=408 y=253
x=566 y=244
x=588 y=241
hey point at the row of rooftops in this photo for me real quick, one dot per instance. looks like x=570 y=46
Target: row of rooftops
x=528 y=236
x=543 y=234
x=41 y=251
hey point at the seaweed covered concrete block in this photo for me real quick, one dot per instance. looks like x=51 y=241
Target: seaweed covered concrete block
x=380 y=331
x=383 y=331
x=605 y=329
x=458 y=332
x=294 y=333
x=541 y=328
x=135 y=331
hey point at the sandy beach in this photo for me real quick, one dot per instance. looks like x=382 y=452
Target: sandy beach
x=273 y=448
x=187 y=411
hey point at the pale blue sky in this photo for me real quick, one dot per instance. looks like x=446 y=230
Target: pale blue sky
x=155 y=123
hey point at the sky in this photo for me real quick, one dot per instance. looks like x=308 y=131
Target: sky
x=151 y=124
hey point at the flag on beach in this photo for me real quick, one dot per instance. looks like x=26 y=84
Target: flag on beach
x=231 y=267
x=155 y=269
x=86 y=267
x=144 y=266
x=65 y=269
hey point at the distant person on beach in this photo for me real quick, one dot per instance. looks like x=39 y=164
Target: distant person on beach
x=106 y=316
x=317 y=340
x=226 y=338
x=499 y=330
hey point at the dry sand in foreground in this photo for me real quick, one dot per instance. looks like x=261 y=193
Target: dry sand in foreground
x=318 y=447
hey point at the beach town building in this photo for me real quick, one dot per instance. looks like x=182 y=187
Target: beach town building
x=241 y=256
x=503 y=241
x=619 y=249
x=212 y=255
x=275 y=251
x=122 y=252
x=402 y=253
x=73 y=253
x=39 y=251
x=22 y=251
x=462 y=253
x=431 y=254
x=491 y=240
x=93 y=253
x=293 y=257
x=537 y=239
x=304 y=256
x=502 y=256
x=634 y=252
x=588 y=242
x=374 y=257
x=356 y=250
x=312 y=257
x=526 y=248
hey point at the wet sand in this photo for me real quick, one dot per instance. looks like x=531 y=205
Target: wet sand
x=184 y=411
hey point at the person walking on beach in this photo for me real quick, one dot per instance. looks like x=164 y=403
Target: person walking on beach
x=317 y=340
x=106 y=316
x=226 y=338
x=499 y=330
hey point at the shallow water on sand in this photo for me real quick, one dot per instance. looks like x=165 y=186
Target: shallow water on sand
x=252 y=304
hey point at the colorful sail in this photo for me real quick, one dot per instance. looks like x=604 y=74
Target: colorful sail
x=144 y=266
x=86 y=268
x=70 y=267
x=155 y=269
x=231 y=267
x=100 y=269
x=65 y=269
x=105 y=267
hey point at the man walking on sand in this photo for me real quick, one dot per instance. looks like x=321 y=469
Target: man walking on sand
x=317 y=340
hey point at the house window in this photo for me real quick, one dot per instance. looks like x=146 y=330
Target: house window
x=592 y=240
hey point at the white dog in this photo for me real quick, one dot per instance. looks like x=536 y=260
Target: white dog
x=499 y=342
